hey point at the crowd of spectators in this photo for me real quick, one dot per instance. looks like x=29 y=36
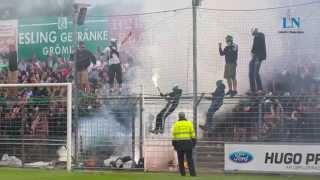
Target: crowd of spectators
x=53 y=69
x=40 y=112
x=288 y=111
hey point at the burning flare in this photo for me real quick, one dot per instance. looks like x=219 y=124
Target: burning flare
x=155 y=78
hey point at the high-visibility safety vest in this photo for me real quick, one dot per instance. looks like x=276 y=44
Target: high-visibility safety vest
x=183 y=130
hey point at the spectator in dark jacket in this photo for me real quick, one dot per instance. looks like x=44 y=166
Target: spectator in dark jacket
x=173 y=99
x=13 y=68
x=13 y=65
x=83 y=61
x=258 y=55
x=216 y=103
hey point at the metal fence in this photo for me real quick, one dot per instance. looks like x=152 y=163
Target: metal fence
x=256 y=119
x=33 y=127
x=116 y=131
x=268 y=118
x=108 y=132
x=293 y=119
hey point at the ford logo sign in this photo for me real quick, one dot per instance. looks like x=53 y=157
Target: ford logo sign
x=241 y=157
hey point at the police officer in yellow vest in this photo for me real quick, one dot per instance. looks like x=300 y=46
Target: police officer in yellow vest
x=184 y=141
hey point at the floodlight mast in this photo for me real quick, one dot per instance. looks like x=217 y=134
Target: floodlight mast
x=77 y=6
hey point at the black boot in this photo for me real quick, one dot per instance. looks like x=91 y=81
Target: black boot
x=229 y=93
x=234 y=93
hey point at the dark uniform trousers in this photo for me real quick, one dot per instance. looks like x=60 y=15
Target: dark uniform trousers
x=188 y=154
x=184 y=149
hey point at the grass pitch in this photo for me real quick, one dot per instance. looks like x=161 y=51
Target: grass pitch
x=25 y=174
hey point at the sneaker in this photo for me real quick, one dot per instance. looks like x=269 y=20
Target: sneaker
x=161 y=131
x=250 y=93
x=229 y=93
x=155 y=131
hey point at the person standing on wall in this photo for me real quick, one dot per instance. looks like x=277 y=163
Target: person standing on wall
x=184 y=140
x=231 y=55
x=13 y=65
x=259 y=54
x=13 y=68
x=83 y=61
x=112 y=53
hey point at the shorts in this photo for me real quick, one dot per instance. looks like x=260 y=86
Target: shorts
x=83 y=77
x=230 y=71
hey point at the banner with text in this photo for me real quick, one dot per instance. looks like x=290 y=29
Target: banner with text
x=8 y=33
x=42 y=36
x=272 y=158
x=8 y=36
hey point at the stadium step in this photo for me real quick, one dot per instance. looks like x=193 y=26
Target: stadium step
x=210 y=155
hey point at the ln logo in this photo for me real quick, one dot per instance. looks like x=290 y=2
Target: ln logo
x=291 y=24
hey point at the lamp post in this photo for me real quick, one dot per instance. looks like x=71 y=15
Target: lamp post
x=79 y=6
x=195 y=5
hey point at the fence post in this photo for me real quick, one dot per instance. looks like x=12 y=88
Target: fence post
x=133 y=138
x=260 y=119
x=76 y=93
x=69 y=127
x=23 y=139
x=195 y=68
x=195 y=4
x=141 y=122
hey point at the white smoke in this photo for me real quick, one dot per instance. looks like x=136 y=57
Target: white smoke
x=104 y=129
x=155 y=79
